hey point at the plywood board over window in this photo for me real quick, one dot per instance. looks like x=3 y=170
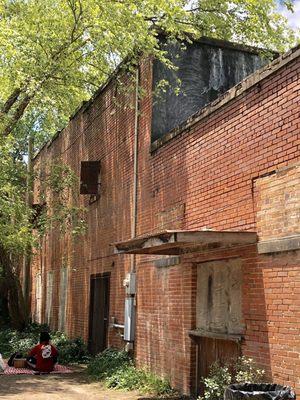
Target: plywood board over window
x=63 y=290
x=38 y=298
x=49 y=296
x=219 y=297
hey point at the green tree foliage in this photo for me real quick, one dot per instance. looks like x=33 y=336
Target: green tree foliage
x=56 y=53
x=22 y=227
x=70 y=350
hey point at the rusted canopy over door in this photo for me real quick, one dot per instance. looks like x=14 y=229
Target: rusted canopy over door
x=171 y=242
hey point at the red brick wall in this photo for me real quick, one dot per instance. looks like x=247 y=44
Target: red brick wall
x=278 y=203
x=202 y=178
x=211 y=170
x=271 y=309
x=272 y=313
x=102 y=132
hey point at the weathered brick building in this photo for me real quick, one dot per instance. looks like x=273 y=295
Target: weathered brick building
x=206 y=213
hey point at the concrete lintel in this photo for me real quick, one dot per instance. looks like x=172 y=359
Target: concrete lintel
x=279 y=245
x=168 y=261
x=198 y=333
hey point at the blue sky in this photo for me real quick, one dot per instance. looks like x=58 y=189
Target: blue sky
x=294 y=18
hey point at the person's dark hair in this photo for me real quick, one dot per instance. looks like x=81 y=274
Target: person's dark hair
x=44 y=337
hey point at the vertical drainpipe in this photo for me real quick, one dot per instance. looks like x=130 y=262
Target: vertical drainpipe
x=129 y=346
x=135 y=167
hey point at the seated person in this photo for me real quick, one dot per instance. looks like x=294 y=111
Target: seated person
x=43 y=357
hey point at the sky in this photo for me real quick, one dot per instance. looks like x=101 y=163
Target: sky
x=294 y=18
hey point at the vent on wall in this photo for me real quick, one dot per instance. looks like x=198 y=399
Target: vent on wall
x=90 y=177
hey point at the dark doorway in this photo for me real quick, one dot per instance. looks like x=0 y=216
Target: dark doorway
x=99 y=312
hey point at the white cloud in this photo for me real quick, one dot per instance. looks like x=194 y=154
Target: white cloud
x=294 y=18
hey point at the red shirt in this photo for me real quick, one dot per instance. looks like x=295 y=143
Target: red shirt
x=44 y=353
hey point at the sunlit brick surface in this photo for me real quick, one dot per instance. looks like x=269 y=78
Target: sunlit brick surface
x=204 y=177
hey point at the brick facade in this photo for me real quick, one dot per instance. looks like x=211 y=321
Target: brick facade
x=219 y=171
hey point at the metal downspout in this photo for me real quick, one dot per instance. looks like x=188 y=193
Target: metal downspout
x=130 y=345
x=135 y=167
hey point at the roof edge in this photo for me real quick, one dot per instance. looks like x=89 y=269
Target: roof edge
x=227 y=44
x=231 y=94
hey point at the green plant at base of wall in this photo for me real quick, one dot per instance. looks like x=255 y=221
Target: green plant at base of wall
x=70 y=350
x=107 y=362
x=220 y=376
x=116 y=369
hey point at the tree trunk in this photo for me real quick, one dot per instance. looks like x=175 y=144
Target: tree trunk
x=29 y=202
x=4 y=314
x=17 y=115
x=16 y=305
x=10 y=101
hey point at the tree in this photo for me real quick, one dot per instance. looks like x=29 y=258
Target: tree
x=22 y=227
x=56 y=53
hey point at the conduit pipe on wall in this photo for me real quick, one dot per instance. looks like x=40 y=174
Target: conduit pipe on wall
x=135 y=166
x=130 y=282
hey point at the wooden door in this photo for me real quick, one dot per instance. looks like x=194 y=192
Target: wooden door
x=211 y=350
x=99 y=312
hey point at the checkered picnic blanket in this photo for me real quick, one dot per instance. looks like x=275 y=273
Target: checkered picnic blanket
x=59 y=369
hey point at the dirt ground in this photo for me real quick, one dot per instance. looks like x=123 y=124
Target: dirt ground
x=75 y=386
x=57 y=387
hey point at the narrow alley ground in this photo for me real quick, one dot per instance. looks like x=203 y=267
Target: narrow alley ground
x=75 y=386
x=57 y=387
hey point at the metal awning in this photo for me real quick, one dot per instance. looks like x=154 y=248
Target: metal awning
x=171 y=242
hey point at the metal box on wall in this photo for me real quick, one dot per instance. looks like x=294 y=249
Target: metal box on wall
x=130 y=283
x=129 y=322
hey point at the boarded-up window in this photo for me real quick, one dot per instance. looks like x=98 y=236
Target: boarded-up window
x=278 y=204
x=38 y=298
x=90 y=177
x=63 y=288
x=219 y=297
x=49 y=296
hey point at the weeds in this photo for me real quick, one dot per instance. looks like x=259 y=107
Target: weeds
x=117 y=370
x=70 y=350
x=221 y=376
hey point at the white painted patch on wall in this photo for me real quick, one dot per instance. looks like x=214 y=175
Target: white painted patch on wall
x=38 y=298
x=63 y=290
x=49 y=296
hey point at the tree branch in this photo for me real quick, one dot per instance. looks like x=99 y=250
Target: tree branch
x=13 y=98
x=19 y=112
